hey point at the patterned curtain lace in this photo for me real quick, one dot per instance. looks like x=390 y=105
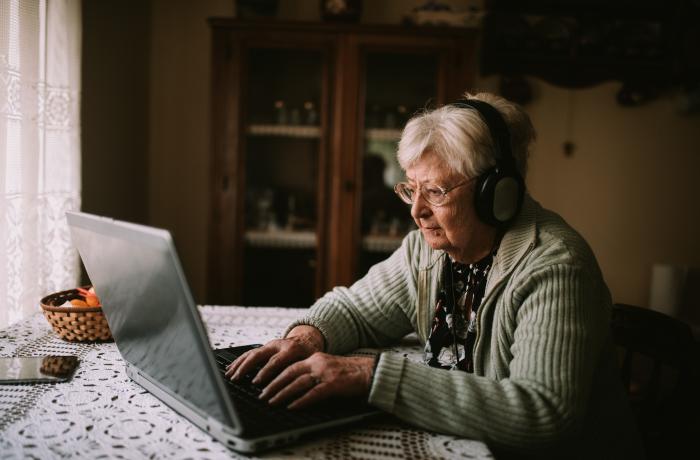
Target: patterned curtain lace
x=40 y=44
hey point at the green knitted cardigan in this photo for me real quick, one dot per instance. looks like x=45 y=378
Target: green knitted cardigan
x=545 y=381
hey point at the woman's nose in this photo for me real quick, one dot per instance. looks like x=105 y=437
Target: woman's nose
x=420 y=208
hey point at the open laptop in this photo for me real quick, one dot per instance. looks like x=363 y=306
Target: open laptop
x=159 y=333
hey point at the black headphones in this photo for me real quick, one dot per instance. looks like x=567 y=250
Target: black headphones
x=499 y=191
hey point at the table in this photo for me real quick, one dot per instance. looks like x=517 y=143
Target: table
x=101 y=413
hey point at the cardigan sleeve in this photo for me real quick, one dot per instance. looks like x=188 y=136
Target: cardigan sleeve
x=376 y=311
x=540 y=401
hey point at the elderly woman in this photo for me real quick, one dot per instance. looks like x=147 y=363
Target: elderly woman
x=507 y=298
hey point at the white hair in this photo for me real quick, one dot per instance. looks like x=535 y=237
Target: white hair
x=462 y=139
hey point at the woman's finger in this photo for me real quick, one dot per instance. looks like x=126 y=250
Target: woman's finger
x=301 y=385
x=252 y=359
x=231 y=368
x=288 y=352
x=274 y=366
x=313 y=395
x=286 y=377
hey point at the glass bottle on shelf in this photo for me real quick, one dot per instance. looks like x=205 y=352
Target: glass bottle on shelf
x=280 y=112
x=310 y=114
x=294 y=116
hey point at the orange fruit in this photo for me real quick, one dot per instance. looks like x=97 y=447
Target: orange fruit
x=92 y=301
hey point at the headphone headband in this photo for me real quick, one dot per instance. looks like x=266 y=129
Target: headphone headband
x=500 y=134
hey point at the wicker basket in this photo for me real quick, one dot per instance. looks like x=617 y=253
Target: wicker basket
x=74 y=323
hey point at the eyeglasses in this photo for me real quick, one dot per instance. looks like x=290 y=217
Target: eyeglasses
x=433 y=194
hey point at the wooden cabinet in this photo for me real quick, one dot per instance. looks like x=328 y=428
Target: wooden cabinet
x=305 y=121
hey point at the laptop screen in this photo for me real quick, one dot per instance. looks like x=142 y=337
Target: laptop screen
x=149 y=308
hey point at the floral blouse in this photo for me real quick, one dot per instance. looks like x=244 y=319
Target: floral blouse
x=453 y=331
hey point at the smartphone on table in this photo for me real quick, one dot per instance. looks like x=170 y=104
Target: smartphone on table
x=37 y=369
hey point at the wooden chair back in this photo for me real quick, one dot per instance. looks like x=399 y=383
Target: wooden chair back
x=658 y=358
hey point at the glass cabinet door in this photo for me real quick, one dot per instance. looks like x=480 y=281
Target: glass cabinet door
x=397 y=85
x=283 y=175
x=306 y=119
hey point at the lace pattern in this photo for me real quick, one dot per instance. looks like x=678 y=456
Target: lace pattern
x=102 y=413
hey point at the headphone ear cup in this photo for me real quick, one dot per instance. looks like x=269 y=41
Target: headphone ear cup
x=507 y=198
x=498 y=196
x=499 y=192
x=483 y=197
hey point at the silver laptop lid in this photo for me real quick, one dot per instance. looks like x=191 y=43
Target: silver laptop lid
x=150 y=310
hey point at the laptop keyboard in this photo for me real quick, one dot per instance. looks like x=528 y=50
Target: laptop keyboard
x=258 y=417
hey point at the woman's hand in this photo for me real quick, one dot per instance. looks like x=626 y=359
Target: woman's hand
x=300 y=343
x=318 y=377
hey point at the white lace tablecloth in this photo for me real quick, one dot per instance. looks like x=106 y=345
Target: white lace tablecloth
x=101 y=413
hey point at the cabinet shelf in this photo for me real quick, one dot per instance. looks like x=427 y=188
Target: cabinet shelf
x=281 y=239
x=310 y=132
x=383 y=134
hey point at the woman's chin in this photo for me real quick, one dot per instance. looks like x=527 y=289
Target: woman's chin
x=435 y=237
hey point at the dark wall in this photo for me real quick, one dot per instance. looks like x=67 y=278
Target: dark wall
x=114 y=108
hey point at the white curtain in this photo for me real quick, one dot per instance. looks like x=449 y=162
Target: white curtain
x=40 y=45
